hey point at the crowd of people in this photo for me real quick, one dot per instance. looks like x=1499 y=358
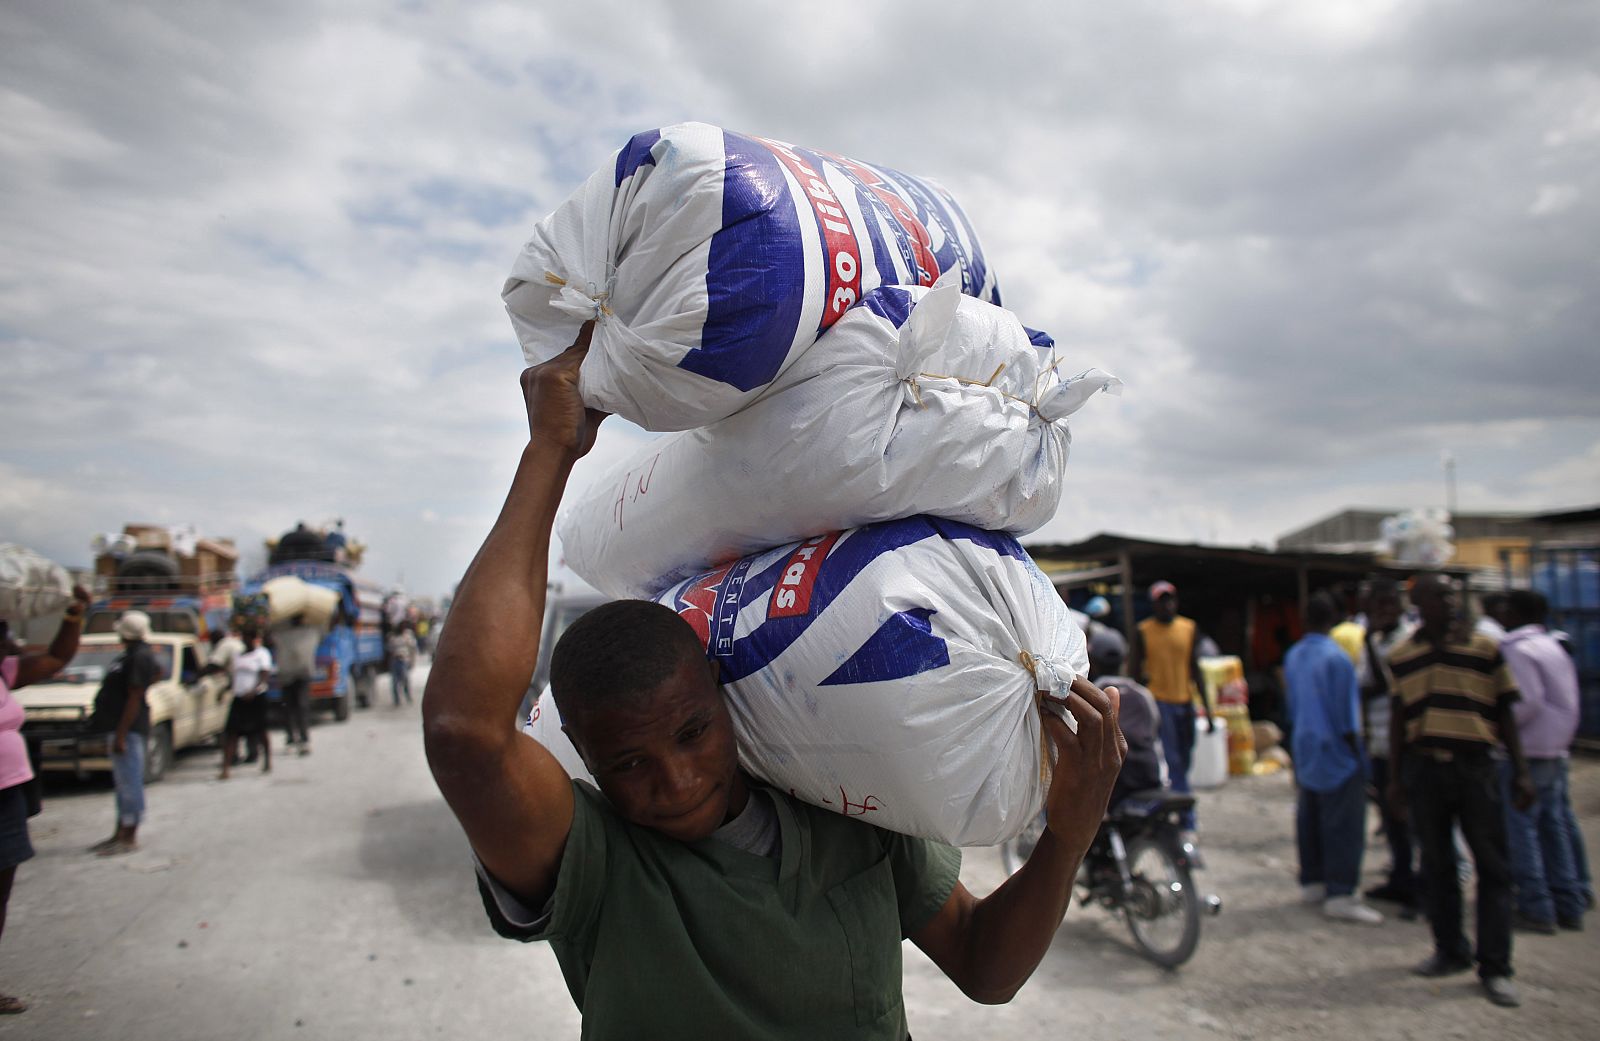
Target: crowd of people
x=1456 y=729
x=1461 y=736
x=252 y=657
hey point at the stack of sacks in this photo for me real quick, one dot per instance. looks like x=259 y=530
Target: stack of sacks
x=712 y=260
x=883 y=663
x=31 y=586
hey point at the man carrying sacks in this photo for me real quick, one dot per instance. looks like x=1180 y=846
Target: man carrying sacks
x=655 y=893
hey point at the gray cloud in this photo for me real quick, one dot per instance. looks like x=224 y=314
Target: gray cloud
x=253 y=253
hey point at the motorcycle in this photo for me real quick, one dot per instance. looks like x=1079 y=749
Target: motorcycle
x=1140 y=866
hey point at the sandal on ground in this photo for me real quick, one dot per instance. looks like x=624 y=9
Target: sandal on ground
x=10 y=1006
x=117 y=849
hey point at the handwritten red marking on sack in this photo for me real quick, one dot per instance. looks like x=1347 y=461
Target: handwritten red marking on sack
x=635 y=485
x=850 y=809
x=858 y=809
x=839 y=238
x=791 y=597
x=921 y=241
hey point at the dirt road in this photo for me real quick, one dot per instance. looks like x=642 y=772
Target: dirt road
x=333 y=899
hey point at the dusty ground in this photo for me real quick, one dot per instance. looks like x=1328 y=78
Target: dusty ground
x=332 y=899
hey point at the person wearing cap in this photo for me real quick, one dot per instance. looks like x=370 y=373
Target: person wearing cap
x=1166 y=658
x=120 y=712
x=1098 y=613
x=1138 y=715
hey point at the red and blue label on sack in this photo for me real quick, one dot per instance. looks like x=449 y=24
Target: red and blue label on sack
x=804 y=583
x=758 y=259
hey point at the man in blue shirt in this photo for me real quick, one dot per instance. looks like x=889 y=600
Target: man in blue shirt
x=1330 y=767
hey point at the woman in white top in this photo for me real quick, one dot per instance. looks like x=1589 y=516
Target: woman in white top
x=247 y=716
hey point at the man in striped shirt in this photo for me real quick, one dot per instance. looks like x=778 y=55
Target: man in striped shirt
x=1452 y=701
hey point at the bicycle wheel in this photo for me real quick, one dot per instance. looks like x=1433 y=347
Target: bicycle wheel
x=1163 y=907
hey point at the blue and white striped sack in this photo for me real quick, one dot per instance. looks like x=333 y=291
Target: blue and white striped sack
x=710 y=260
x=887 y=673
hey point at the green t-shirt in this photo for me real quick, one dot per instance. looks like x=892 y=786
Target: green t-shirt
x=665 y=939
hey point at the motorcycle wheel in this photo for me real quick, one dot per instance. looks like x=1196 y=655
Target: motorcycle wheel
x=1163 y=908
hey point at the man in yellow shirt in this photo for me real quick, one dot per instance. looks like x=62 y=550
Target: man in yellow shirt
x=1167 y=661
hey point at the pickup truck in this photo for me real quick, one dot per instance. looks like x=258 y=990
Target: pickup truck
x=185 y=709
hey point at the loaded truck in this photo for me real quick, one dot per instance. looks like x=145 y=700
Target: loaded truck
x=186 y=585
x=350 y=656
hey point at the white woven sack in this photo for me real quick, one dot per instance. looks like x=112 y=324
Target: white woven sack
x=31 y=586
x=918 y=401
x=544 y=726
x=710 y=260
x=889 y=673
x=287 y=596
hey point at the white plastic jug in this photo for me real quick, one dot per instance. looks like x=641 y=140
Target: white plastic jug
x=1210 y=766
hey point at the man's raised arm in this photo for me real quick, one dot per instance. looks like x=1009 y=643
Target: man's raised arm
x=511 y=795
x=990 y=947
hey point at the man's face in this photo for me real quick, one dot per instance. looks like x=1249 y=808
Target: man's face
x=1383 y=612
x=1166 y=607
x=668 y=763
x=1436 y=603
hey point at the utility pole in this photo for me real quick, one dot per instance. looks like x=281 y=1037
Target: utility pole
x=1449 y=461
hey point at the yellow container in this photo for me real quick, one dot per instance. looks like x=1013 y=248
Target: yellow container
x=1241 y=739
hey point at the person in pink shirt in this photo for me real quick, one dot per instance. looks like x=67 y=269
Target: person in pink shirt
x=19 y=670
x=1549 y=890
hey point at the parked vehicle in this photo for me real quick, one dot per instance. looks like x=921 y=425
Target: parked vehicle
x=561 y=609
x=185 y=585
x=1140 y=867
x=350 y=656
x=186 y=709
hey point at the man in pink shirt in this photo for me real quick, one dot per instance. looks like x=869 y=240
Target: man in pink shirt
x=1548 y=890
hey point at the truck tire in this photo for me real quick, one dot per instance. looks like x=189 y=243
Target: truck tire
x=147 y=571
x=158 y=753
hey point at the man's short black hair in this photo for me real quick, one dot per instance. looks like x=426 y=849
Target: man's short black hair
x=1527 y=607
x=1321 y=612
x=617 y=653
x=1494 y=602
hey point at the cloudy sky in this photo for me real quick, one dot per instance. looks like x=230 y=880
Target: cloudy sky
x=251 y=253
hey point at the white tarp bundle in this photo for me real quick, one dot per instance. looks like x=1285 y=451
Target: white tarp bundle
x=289 y=597
x=919 y=401
x=711 y=260
x=888 y=672
x=31 y=586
